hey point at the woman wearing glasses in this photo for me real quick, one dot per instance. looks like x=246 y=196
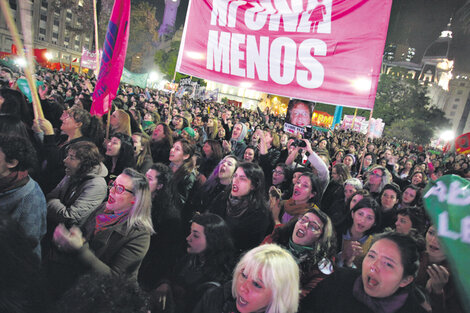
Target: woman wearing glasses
x=311 y=240
x=377 y=178
x=114 y=239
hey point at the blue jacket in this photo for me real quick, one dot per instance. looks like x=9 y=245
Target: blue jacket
x=27 y=206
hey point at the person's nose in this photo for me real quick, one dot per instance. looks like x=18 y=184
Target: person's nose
x=375 y=266
x=244 y=287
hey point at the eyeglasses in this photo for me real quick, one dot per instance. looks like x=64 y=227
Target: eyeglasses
x=313 y=227
x=119 y=188
x=278 y=172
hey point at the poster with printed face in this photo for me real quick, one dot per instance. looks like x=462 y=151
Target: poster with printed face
x=299 y=115
x=317 y=50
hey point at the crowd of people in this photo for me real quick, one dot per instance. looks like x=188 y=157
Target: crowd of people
x=199 y=206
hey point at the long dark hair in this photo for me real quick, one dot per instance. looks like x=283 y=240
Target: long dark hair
x=256 y=176
x=316 y=187
x=368 y=202
x=15 y=104
x=219 y=244
x=188 y=165
x=126 y=154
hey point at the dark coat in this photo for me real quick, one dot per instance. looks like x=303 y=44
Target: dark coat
x=334 y=295
x=108 y=252
x=249 y=229
x=217 y=300
x=160 y=151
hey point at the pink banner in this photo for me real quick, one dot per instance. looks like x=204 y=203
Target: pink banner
x=113 y=58
x=88 y=59
x=319 y=50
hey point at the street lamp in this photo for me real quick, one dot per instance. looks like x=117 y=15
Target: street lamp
x=447 y=135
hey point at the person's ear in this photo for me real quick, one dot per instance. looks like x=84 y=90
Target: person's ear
x=12 y=164
x=406 y=281
x=185 y=156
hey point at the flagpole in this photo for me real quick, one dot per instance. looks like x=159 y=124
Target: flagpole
x=367 y=139
x=97 y=69
x=354 y=119
x=108 y=121
x=29 y=69
x=171 y=93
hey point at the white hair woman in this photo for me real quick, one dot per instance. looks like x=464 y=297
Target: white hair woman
x=114 y=239
x=265 y=280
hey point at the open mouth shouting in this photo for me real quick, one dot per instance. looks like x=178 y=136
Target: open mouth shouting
x=371 y=282
x=111 y=200
x=234 y=188
x=241 y=302
x=300 y=233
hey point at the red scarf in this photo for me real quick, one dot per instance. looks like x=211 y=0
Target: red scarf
x=108 y=219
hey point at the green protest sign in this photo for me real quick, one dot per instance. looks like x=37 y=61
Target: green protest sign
x=24 y=87
x=447 y=201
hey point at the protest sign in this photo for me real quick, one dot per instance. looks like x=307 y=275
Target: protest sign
x=326 y=51
x=447 y=201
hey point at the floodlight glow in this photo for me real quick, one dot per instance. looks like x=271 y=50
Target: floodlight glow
x=153 y=76
x=195 y=55
x=447 y=135
x=48 y=55
x=246 y=85
x=362 y=84
x=21 y=62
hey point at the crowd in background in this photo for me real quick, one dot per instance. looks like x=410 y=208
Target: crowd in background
x=199 y=206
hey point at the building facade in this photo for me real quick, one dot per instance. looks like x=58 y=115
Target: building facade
x=457 y=107
x=51 y=30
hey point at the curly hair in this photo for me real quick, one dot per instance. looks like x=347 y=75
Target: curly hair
x=88 y=154
x=324 y=247
x=103 y=294
x=92 y=127
x=19 y=149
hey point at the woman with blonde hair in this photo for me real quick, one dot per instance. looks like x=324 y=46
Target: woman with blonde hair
x=265 y=280
x=114 y=239
x=120 y=122
x=212 y=128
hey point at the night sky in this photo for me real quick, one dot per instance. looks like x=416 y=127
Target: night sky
x=415 y=22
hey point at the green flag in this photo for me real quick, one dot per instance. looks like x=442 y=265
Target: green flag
x=24 y=87
x=134 y=78
x=447 y=201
